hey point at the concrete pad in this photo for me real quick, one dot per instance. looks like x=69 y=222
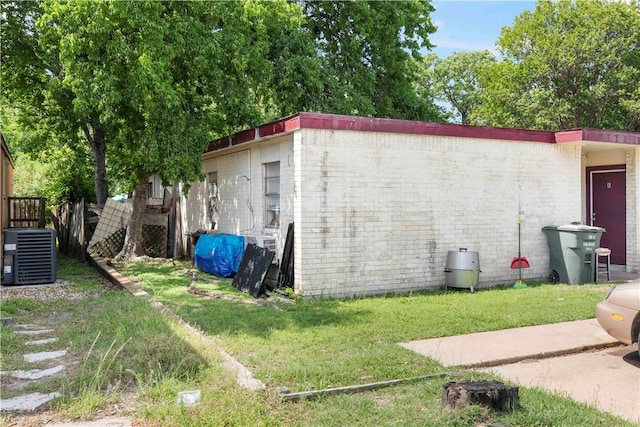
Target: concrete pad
x=103 y=422
x=512 y=345
x=27 y=402
x=608 y=380
x=41 y=342
x=35 y=374
x=45 y=355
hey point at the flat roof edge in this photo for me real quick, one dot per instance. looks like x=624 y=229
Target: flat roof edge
x=305 y=120
x=598 y=135
x=411 y=127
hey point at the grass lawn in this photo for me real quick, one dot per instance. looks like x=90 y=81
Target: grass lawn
x=319 y=344
x=126 y=359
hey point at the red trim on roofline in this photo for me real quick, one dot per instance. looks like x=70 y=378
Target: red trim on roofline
x=598 y=135
x=617 y=137
x=572 y=135
x=367 y=124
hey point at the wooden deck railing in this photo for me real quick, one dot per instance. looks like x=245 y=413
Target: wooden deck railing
x=26 y=212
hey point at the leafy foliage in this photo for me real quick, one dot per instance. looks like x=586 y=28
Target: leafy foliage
x=567 y=64
x=143 y=86
x=455 y=80
x=367 y=51
x=36 y=105
x=55 y=171
x=163 y=77
x=64 y=176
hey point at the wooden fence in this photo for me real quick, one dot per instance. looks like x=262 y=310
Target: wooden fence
x=75 y=224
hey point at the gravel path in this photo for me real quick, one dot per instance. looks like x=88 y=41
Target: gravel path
x=52 y=291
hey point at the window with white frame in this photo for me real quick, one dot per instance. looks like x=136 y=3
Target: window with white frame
x=272 y=194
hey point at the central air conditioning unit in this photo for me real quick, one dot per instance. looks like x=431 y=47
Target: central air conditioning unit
x=29 y=256
x=268 y=242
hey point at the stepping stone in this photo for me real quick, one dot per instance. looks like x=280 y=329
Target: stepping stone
x=27 y=402
x=45 y=355
x=40 y=342
x=35 y=374
x=102 y=422
x=27 y=326
x=34 y=332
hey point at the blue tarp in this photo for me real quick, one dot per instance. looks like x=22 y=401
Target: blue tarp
x=219 y=254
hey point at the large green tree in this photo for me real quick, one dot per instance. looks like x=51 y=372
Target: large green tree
x=165 y=77
x=454 y=80
x=368 y=52
x=146 y=84
x=567 y=64
x=37 y=110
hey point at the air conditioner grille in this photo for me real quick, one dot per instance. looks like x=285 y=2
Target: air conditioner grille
x=267 y=242
x=34 y=261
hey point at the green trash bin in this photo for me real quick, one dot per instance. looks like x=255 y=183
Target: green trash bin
x=572 y=252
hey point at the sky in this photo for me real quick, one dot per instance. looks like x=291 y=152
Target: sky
x=471 y=25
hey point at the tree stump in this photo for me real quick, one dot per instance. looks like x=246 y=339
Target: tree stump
x=490 y=393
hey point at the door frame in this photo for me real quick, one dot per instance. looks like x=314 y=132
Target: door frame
x=589 y=188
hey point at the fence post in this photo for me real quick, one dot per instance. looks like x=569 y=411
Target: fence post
x=41 y=220
x=82 y=247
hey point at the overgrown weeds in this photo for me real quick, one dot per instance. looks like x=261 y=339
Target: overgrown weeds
x=115 y=342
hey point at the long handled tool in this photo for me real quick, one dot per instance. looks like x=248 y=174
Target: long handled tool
x=519 y=262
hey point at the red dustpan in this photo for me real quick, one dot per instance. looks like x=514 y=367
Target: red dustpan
x=520 y=262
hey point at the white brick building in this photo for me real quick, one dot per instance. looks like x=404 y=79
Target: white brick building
x=377 y=203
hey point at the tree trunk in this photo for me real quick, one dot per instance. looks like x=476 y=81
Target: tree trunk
x=133 y=239
x=98 y=146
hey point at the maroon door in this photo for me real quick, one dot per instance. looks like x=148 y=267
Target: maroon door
x=607 y=209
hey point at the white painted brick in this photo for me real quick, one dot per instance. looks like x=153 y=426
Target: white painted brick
x=381 y=197
x=377 y=213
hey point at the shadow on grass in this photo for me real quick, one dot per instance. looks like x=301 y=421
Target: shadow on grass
x=391 y=317
x=258 y=321
x=169 y=284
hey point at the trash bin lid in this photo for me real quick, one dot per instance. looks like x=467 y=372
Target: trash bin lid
x=580 y=227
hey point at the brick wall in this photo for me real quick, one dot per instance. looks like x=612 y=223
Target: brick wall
x=234 y=178
x=240 y=177
x=377 y=213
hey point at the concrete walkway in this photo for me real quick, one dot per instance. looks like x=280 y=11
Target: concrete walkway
x=608 y=379
x=553 y=358
x=512 y=345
